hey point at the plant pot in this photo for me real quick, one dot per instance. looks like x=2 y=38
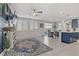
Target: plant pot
x=8 y=49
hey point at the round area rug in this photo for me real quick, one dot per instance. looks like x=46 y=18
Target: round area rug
x=27 y=45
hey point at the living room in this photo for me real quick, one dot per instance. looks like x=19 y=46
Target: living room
x=39 y=29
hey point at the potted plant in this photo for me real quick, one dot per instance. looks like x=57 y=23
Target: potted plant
x=6 y=43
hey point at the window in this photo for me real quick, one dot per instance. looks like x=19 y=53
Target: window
x=31 y=25
x=25 y=25
x=47 y=25
x=19 y=25
x=36 y=25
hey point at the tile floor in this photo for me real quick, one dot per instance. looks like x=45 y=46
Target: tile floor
x=59 y=48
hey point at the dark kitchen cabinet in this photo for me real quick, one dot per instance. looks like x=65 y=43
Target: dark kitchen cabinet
x=69 y=37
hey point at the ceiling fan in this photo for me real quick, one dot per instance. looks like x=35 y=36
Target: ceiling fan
x=36 y=12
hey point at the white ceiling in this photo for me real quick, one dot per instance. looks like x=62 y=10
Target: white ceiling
x=51 y=11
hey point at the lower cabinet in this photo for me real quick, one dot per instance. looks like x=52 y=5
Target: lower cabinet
x=69 y=37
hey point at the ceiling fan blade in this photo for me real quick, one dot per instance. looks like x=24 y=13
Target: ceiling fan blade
x=40 y=11
x=35 y=12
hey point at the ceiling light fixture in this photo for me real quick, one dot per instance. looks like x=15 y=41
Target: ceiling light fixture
x=35 y=12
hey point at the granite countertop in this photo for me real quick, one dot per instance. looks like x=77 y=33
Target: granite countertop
x=70 y=31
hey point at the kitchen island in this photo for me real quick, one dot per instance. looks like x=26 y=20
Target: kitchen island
x=69 y=37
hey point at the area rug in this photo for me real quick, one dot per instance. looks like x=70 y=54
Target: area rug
x=28 y=47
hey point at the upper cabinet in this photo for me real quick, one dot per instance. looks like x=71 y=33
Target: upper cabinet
x=74 y=23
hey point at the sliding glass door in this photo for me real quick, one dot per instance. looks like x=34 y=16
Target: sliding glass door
x=26 y=25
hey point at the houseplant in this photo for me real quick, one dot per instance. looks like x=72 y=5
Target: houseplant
x=6 y=42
